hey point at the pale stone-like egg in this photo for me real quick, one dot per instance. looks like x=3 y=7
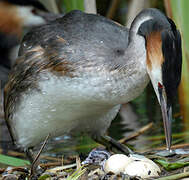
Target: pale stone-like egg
x=135 y=165
x=116 y=163
x=143 y=169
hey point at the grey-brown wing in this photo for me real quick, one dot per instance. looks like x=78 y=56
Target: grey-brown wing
x=84 y=33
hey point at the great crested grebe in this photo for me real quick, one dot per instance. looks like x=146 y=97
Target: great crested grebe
x=73 y=73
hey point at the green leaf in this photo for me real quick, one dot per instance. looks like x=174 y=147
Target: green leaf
x=77 y=174
x=69 y=5
x=171 y=165
x=12 y=161
x=44 y=177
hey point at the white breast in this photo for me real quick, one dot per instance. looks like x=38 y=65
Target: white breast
x=64 y=105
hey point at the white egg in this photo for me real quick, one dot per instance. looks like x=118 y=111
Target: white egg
x=116 y=163
x=143 y=169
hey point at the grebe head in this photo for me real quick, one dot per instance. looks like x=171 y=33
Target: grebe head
x=163 y=58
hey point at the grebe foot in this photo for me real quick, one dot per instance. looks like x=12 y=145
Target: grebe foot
x=112 y=144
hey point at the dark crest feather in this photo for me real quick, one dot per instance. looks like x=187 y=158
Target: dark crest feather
x=172 y=65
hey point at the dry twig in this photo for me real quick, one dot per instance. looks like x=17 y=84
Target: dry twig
x=177 y=146
x=137 y=133
x=38 y=155
x=175 y=176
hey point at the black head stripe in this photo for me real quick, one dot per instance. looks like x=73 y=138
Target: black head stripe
x=34 y=3
x=156 y=23
x=173 y=26
x=149 y=26
x=171 y=68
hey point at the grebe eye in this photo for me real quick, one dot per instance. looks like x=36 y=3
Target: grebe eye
x=34 y=11
x=160 y=85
